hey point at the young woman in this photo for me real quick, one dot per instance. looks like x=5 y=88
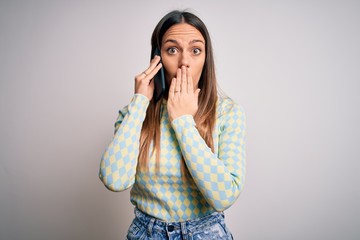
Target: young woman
x=184 y=155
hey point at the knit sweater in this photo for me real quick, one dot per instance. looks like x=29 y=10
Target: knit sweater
x=215 y=180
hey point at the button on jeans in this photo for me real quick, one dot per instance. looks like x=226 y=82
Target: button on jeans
x=209 y=227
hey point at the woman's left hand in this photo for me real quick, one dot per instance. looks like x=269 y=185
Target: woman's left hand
x=182 y=99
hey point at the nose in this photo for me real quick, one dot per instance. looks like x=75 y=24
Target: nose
x=184 y=59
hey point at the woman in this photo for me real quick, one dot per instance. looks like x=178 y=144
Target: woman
x=184 y=155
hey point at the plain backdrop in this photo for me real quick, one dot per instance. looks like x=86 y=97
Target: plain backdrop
x=67 y=67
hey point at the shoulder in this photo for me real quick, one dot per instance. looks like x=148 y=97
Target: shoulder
x=227 y=106
x=230 y=115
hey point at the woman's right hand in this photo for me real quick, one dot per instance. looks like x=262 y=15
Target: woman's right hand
x=143 y=81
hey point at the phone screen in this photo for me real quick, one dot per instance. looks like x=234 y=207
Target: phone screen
x=159 y=80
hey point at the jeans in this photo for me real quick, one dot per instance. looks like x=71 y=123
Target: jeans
x=145 y=227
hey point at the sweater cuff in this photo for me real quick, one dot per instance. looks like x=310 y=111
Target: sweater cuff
x=137 y=107
x=141 y=98
x=183 y=122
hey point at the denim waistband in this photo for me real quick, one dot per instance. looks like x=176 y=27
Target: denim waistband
x=190 y=225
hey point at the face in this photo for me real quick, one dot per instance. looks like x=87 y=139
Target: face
x=183 y=45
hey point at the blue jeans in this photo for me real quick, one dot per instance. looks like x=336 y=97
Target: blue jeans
x=145 y=227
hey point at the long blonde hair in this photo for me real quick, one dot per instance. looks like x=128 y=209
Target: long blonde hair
x=206 y=114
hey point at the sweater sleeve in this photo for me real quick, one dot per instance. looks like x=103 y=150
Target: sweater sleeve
x=119 y=161
x=220 y=178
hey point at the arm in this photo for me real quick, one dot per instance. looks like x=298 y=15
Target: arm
x=219 y=178
x=119 y=161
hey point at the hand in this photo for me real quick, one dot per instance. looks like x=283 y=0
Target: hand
x=182 y=98
x=143 y=81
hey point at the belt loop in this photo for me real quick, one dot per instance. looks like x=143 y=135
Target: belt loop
x=183 y=231
x=150 y=226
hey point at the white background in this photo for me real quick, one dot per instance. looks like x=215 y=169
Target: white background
x=67 y=67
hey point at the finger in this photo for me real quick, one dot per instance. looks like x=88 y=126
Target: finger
x=154 y=62
x=178 y=81
x=143 y=77
x=197 y=92
x=190 y=87
x=154 y=71
x=153 y=65
x=140 y=76
x=152 y=84
x=183 y=86
x=172 y=88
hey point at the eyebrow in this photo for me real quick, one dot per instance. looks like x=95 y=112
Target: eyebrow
x=191 y=42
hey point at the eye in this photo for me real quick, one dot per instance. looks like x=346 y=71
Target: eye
x=196 y=51
x=171 y=50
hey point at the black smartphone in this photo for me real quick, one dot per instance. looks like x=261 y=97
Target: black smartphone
x=159 y=79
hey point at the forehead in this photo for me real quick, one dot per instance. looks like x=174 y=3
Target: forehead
x=183 y=32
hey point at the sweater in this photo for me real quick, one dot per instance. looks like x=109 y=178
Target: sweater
x=215 y=179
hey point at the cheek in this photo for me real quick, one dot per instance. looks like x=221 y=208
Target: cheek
x=170 y=69
x=197 y=70
x=196 y=77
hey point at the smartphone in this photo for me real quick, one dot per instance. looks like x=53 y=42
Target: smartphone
x=159 y=79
